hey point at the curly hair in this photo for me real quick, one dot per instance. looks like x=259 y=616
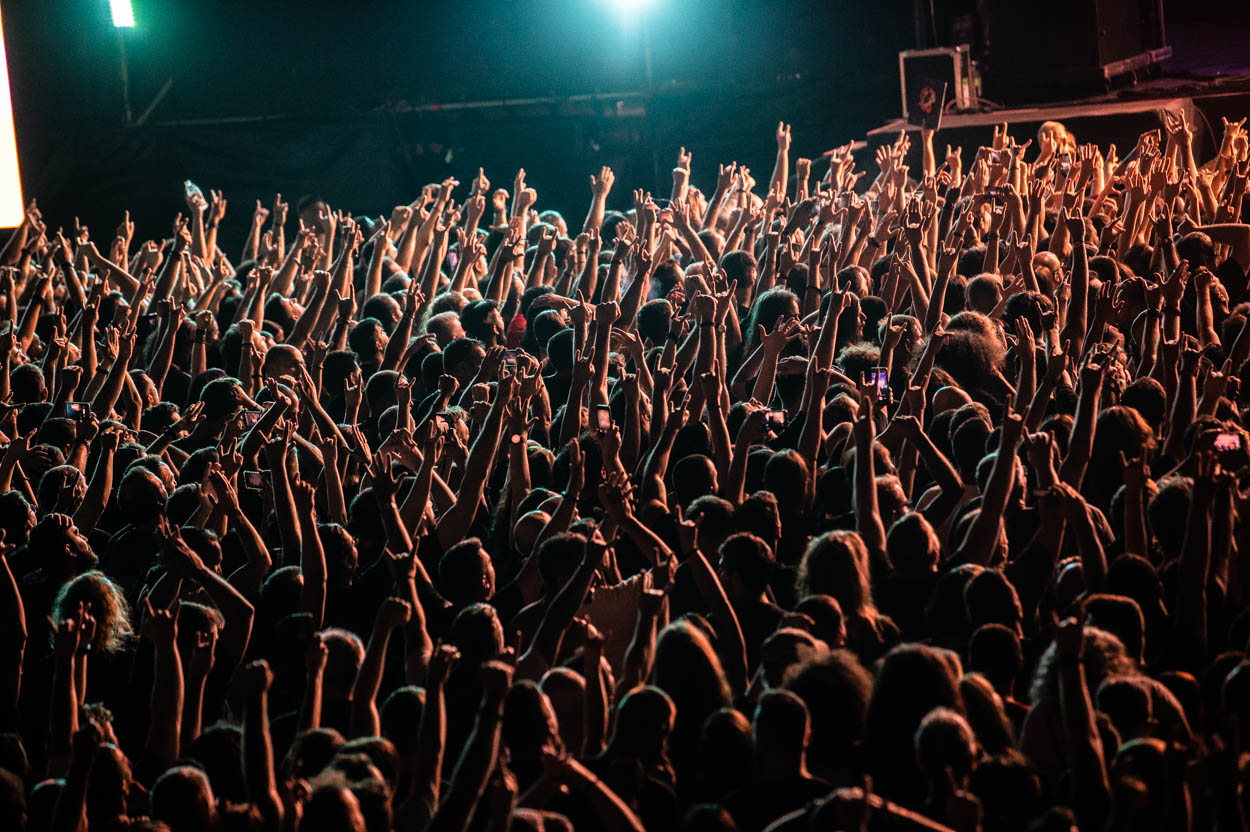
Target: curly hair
x=104 y=599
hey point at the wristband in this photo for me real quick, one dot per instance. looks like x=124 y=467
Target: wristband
x=871 y=242
x=706 y=324
x=812 y=289
x=1175 y=310
x=671 y=336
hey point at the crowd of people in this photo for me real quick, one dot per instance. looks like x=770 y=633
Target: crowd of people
x=899 y=498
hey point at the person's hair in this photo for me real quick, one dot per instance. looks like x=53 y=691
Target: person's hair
x=1148 y=398
x=750 y=559
x=994 y=651
x=1103 y=655
x=944 y=741
x=644 y=719
x=460 y=572
x=1120 y=616
x=991 y=599
x=182 y=797
x=912 y=546
x=769 y=307
x=1168 y=504
x=912 y=680
x=689 y=671
x=459 y=351
x=836 y=689
x=787 y=476
x=836 y=564
x=781 y=721
x=473 y=317
x=105 y=601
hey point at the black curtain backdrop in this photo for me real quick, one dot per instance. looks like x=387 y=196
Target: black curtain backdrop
x=328 y=97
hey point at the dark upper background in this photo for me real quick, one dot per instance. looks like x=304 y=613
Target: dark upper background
x=313 y=96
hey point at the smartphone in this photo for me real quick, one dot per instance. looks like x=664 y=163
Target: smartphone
x=250 y=417
x=1065 y=163
x=603 y=413
x=776 y=420
x=1225 y=442
x=151 y=318
x=77 y=410
x=509 y=359
x=995 y=157
x=441 y=423
x=881 y=378
x=998 y=193
x=254 y=480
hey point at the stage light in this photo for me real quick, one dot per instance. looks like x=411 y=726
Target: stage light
x=123 y=14
x=631 y=5
x=11 y=205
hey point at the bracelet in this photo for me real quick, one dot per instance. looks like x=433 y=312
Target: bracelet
x=1175 y=310
x=706 y=324
x=812 y=289
x=871 y=242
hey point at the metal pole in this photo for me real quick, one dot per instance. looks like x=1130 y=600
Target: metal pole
x=125 y=68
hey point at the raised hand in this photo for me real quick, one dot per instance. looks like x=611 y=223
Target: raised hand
x=160 y=626
x=601 y=185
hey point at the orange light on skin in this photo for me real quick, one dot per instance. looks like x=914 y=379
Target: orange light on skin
x=11 y=204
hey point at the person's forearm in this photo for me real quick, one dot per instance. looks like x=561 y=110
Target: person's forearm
x=165 y=709
x=431 y=744
x=1084 y=741
x=595 y=706
x=365 y=721
x=545 y=648
x=238 y=613
x=258 y=771
x=102 y=404
x=982 y=537
x=1180 y=416
x=63 y=719
x=312 y=565
x=454 y=524
x=284 y=510
x=763 y=389
x=733 y=649
x=98 y=491
x=258 y=560
x=1081 y=440
x=13 y=636
x=310 y=706
x=472 y=771
x=572 y=423
x=192 y=710
x=614 y=813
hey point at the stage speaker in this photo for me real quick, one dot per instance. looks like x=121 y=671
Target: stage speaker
x=1042 y=52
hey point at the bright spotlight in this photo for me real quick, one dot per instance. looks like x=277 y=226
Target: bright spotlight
x=123 y=14
x=11 y=210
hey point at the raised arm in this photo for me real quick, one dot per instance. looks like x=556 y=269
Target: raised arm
x=545 y=647
x=982 y=537
x=165 y=710
x=1089 y=771
x=254 y=681
x=867 y=517
x=454 y=525
x=12 y=641
x=365 y=722
x=480 y=752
